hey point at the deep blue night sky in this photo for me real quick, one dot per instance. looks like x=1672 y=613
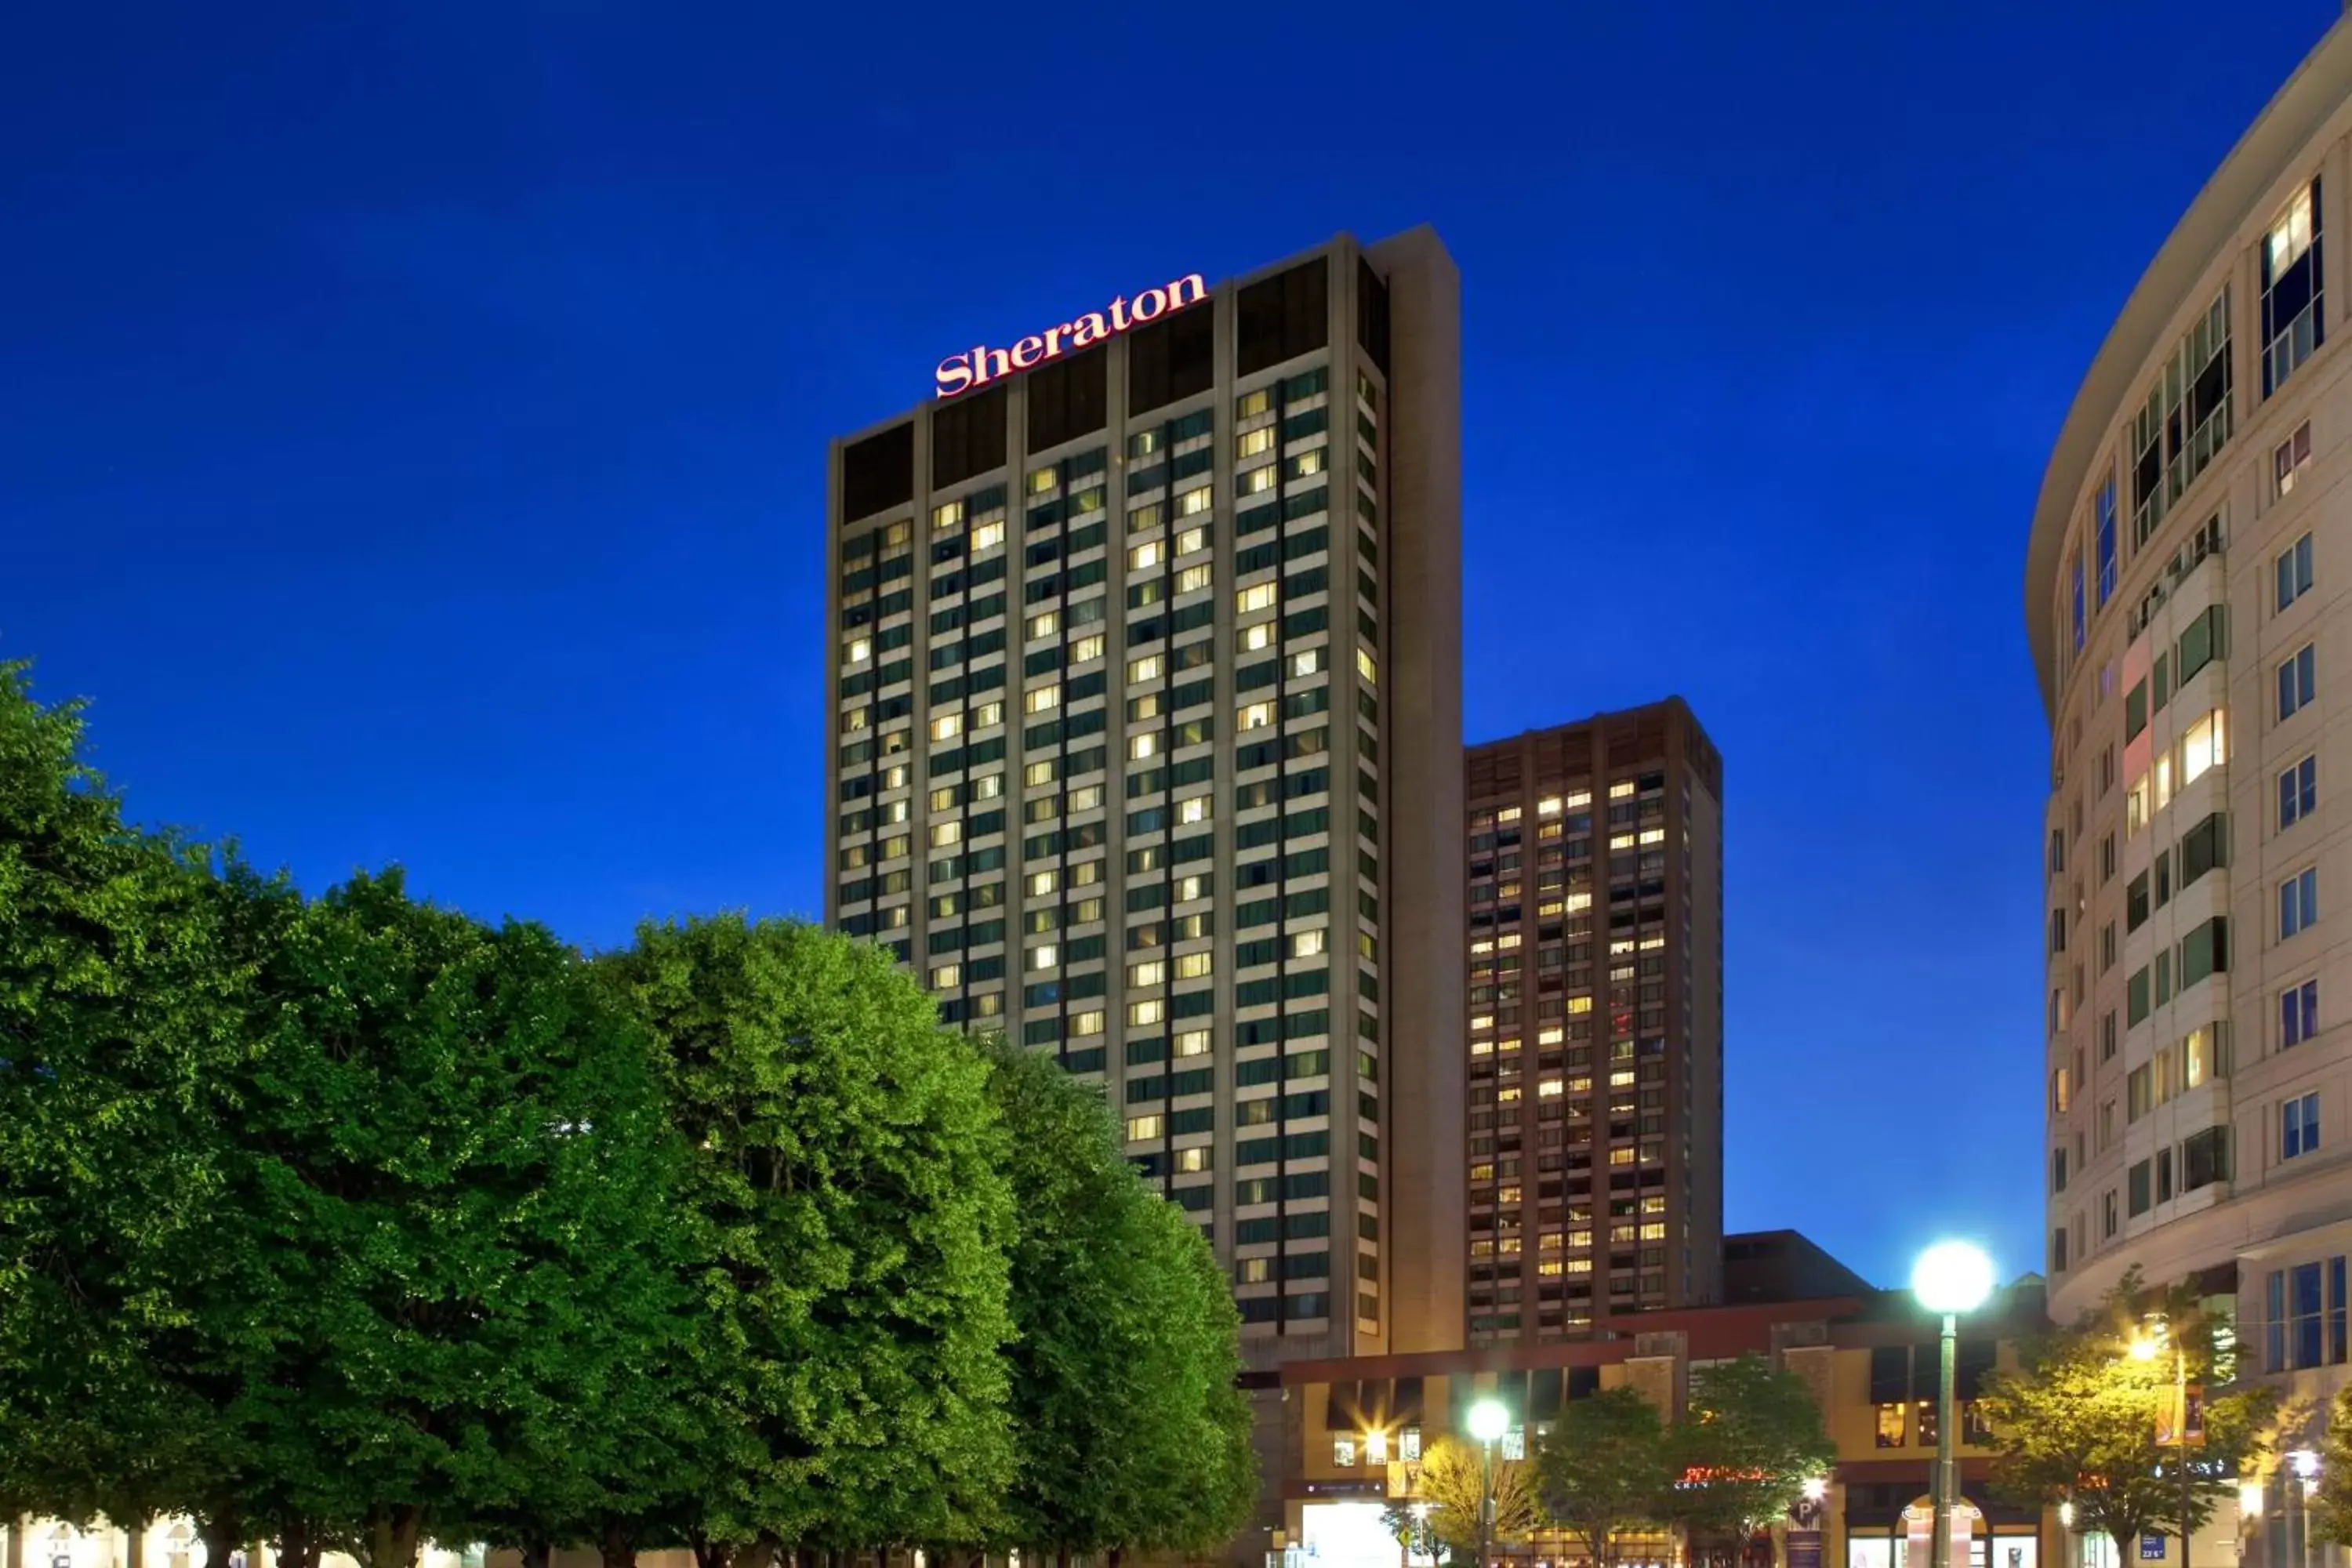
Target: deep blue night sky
x=413 y=424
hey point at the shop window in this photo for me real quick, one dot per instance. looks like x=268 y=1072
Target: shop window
x=1890 y=1425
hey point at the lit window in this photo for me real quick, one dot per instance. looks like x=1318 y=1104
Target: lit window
x=1621 y=841
x=1152 y=971
x=1087 y=1022
x=1256 y=715
x=1253 y=639
x=860 y=649
x=1547 y=806
x=1195 y=809
x=1038 y=773
x=1191 y=503
x=947 y=725
x=1149 y=1011
x=1139 y=1128
x=1085 y=649
x=1257 y=480
x=1307 y=663
x=1191 y=539
x=987 y=713
x=1549 y=1087
x=2289 y=457
x=1508 y=814
x=1044 y=696
x=1045 y=956
x=1653 y=1230
x=1192 y=579
x=1260 y=597
x=1307 y=943
x=1144 y=745
x=1084 y=799
x=946 y=833
x=2204 y=746
x=1621 y=1156
x=988 y=786
x=988 y=536
x=947 y=517
x=1250 y=404
x=1621 y=790
x=1578 y=798
x=1043 y=625
x=1191 y=1160
x=1044 y=882
x=1551 y=1037
x=943 y=799
x=1306 y=463
x=1143 y=669
x=1193 y=887
x=947 y=976
x=1193 y=965
x=1252 y=442
x=1144 y=556
x=1365 y=667
x=1654 y=835
x=1041 y=481
x=1192 y=1043
x=1343 y=1452
x=857 y=719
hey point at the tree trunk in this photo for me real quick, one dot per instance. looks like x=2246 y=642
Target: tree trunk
x=394 y=1534
x=709 y=1553
x=536 y=1554
x=219 y=1532
x=134 y=1544
x=619 y=1546
x=759 y=1551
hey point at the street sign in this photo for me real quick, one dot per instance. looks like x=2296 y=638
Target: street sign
x=2151 y=1548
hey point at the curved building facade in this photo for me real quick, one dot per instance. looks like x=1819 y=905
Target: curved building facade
x=2189 y=601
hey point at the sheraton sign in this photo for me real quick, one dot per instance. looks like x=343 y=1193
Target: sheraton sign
x=979 y=366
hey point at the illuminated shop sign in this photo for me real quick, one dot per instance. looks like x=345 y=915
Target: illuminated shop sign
x=978 y=367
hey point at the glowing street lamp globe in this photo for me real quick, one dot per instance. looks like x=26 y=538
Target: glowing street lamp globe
x=1488 y=1420
x=1952 y=1276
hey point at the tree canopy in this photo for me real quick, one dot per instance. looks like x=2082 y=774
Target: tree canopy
x=1605 y=1467
x=348 y=1221
x=2078 y=1420
x=1751 y=1438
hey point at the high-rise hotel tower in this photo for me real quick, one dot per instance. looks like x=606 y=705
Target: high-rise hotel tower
x=1143 y=646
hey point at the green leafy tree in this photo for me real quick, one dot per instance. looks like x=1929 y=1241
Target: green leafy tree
x=2078 y=1419
x=451 y=1163
x=1749 y=1438
x=1605 y=1467
x=119 y=997
x=1133 y=1432
x=1452 y=1482
x=850 y=1219
x=2330 y=1509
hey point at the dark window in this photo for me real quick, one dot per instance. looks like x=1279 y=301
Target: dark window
x=1173 y=358
x=1283 y=316
x=878 y=472
x=967 y=437
x=1372 y=314
x=1069 y=398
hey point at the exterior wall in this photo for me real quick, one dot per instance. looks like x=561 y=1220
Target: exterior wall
x=1595 y=953
x=2140 y=1104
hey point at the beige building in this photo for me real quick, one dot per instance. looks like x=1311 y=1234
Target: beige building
x=2189 y=601
x=1143 y=656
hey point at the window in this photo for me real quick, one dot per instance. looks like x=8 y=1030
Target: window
x=2297 y=681
x=1086 y=648
x=1253 y=638
x=1257 y=715
x=2293 y=570
x=1139 y=1128
x=1307 y=663
x=2184 y=421
x=1343 y=1452
x=2289 y=459
x=1260 y=597
x=1044 y=957
x=2292 y=324
x=2298 y=1013
x=1252 y=442
x=1144 y=556
x=2298 y=791
x=1041 y=700
x=2298 y=902
x=1154 y=973
x=1192 y=579
x=2298 y=1127
x=2103 y=508
x=987 y=536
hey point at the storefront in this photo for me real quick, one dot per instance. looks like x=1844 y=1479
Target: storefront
x=1881 y=1534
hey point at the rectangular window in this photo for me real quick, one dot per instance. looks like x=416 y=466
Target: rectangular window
x=2075 y=571
x=2104 y=511
x=2298 y=1013
x=2297 y=681
x=2298 y=902
x=2274 y=1322
x=2186 y=420
x=2294 y=571
x=2292 y=320
x=2298 y=1126
x=2298 y=791
x=2289 y=459
x=2303 y=1304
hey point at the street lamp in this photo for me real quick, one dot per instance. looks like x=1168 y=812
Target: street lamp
x=1950 y=1278
x=1488 y=1421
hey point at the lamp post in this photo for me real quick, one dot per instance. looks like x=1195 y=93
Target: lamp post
x=1488 y=1421
x=2144 y=1347
x=1950 y=1278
